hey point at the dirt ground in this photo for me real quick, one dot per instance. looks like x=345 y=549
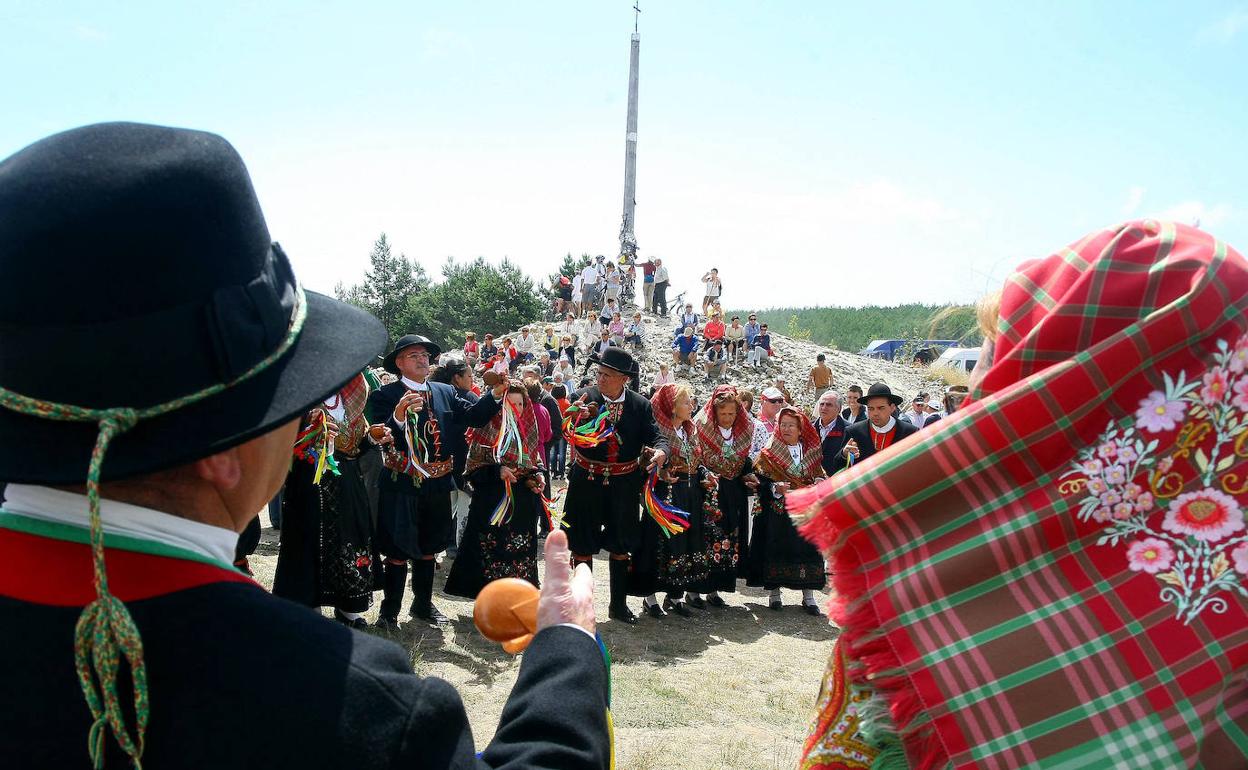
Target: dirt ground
x=726 y=688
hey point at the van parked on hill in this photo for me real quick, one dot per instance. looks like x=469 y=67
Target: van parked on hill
x=959 y=359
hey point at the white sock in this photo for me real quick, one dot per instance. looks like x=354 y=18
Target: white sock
x=651 y=601
x=350 y=615
x=808 y=596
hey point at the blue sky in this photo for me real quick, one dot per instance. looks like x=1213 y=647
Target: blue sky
x=794 y=145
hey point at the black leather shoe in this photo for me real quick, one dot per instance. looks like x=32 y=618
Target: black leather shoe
x=678 y=607
x=386 y=623
x=776 y=605
x=811 y=609
x=653 y=610
x=716 y=601
x=430 y=614
x=622 y=613
x=696 y=602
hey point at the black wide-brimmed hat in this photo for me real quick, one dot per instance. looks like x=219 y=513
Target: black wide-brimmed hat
x=406 y=341
x=619 y=360
x=878 y=390
x=136 y=271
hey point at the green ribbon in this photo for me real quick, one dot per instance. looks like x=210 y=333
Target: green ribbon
x=105 y=629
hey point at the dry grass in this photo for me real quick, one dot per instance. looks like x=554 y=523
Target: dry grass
x=949 y=376
x=727 y=688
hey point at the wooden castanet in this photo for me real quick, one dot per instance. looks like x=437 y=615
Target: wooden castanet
x=506 y=612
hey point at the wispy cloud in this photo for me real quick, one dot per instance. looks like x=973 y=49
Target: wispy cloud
x=1197 y=213
x=88 y=32
x=1135 y=196
x=1225 y=29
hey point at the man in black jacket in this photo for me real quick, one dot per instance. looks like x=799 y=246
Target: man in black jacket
x=164 y=224
x=880 y=430
x=414 y=518
x=831 y=427
x=604 y=483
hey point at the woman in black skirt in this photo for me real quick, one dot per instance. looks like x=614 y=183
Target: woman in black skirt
x=507 y=547
x=725 y=432
x=675 y=564
x=326 y=552
x=779 y=556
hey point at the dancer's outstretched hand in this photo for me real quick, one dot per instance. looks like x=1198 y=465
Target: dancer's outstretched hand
x=567 y=595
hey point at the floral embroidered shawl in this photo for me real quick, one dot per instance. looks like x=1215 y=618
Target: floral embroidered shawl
x=777 y=464
x=1057 y=575
x=725 y=461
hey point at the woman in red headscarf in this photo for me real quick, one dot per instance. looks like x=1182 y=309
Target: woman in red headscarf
x=1057 y=573
x=725 y=432
x=675 y=564
x=506 y=477
x=779 y=556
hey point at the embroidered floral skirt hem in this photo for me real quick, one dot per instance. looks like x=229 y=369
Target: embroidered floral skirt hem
x=721 y=534
x=676 y=563
x=326 y=553
x=488 y=552
x=779 y=557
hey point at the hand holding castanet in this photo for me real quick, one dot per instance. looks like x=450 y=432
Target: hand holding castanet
x=511 y=610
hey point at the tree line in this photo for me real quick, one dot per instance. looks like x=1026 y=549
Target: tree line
x=472 y=296
x=852 y=328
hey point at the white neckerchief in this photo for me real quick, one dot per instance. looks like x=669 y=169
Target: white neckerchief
x=796 y=453
x=339 y=413
x=680 y=431
x=726 y=433
x=70 y=508
x=892 y=423
x=414 y=385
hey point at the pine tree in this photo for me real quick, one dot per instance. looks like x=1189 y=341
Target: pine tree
x=389 y=285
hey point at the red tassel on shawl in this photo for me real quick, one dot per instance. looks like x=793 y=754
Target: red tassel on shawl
x=875 y=661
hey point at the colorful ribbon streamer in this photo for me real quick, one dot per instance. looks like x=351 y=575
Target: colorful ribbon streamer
x=589 y=434
x=502 y=511
x=671 y=520
x=509 y=435
x=313 y=445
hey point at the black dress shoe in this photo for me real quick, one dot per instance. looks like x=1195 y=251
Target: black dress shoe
x=776 y=605
x=622 y=613
x=696 y=602
x=386 y=623
x=430 y=614
x=653 y=610
x=678 y=607
x=811 y=609
x=716 y=601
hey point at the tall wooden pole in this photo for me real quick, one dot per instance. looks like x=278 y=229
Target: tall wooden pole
x=628 y=237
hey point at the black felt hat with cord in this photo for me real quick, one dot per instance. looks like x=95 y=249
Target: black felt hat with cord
x=146 y=320
x=136 y=270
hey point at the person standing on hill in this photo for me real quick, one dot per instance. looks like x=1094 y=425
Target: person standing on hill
x=713 y=289
x=820 y=379
x=661 y=282
x=647 y=285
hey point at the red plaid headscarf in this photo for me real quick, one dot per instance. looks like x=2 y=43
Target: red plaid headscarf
x=663 y=402
x=1058 y=574
x=727 y=462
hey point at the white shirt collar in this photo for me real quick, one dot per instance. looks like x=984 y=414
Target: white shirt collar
x=726 y=433
x=623 y=393
x=118 y=518
x=892 y=422
x=414 y=385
